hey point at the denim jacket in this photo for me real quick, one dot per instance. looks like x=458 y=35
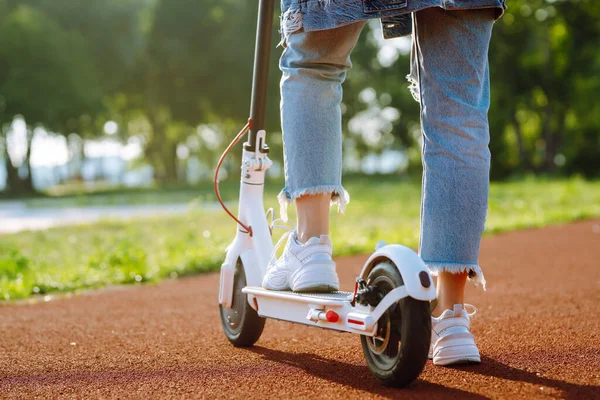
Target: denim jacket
x=312 y=15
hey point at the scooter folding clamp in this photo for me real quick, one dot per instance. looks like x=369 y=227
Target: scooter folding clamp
x=367 y=295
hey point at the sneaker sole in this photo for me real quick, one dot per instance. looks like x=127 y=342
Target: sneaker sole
x=457 y=355
x=457 y=361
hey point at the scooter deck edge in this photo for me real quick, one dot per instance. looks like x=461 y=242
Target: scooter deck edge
x=323 y=299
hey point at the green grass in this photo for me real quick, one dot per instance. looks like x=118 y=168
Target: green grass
x=149 y=250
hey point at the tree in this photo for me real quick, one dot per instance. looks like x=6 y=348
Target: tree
x=112 y=29
x=196 y=68
x=46 y=76
x=545 y=68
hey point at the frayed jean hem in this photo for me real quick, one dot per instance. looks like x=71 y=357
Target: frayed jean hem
x=339 y=196
x=414 y=87
x=474 y=270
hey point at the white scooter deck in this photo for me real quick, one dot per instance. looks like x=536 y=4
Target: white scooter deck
x=324 y=310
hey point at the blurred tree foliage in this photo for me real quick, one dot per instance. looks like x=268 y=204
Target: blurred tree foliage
x=62 y=98
x=545 y=65
x=545 y=75
x=177 y=74
x=196 y=68
x=59 y=61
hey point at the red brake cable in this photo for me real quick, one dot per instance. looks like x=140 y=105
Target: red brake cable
x=216 y=180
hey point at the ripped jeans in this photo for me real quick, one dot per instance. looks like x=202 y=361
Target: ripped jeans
x=450 y=79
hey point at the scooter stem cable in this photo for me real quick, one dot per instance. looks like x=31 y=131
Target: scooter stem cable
x=216 y=179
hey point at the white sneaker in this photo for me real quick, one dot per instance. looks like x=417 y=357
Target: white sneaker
x=451 y=340
x=304 y=267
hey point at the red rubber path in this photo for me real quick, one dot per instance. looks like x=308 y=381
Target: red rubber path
x=537 y=329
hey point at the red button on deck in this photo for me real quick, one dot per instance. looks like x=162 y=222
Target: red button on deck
x=332 y=316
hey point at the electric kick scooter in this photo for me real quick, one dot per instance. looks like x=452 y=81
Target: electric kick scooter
x=389 y=307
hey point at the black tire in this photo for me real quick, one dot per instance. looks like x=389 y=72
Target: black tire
x=241 y=323
x=400 y=359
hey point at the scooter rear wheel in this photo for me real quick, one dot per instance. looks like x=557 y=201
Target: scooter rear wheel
x=241 y=323
x=398 y=354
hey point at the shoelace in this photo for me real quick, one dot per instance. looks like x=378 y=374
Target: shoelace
x=290 y=228
x=471 y=306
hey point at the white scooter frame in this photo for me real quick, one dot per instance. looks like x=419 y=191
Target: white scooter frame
x=389 y=306
x=341 y=311
x=309 y=309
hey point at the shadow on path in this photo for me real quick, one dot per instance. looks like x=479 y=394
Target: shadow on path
x=358 y=376
x=334 y=371
x=491 y=367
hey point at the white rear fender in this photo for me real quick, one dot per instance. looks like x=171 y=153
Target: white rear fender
x=417 y=279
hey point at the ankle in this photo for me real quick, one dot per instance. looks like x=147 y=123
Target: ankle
x=313 y=216
x=440 y=308
x=303 y=237
x=450 y=291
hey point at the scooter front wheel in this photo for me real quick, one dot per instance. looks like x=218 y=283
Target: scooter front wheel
x=397 y=354
x=241 y=323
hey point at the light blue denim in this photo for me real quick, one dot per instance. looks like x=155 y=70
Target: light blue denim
x=313 y=15
x=449 y=77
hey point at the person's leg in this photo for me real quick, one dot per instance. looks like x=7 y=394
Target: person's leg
x=314 y=66
x=313 y=216
x=450 y=73
x=451 y=81
x=450 y=291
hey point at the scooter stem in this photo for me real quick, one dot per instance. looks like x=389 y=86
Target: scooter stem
x=253 y=244
x=261 y=73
